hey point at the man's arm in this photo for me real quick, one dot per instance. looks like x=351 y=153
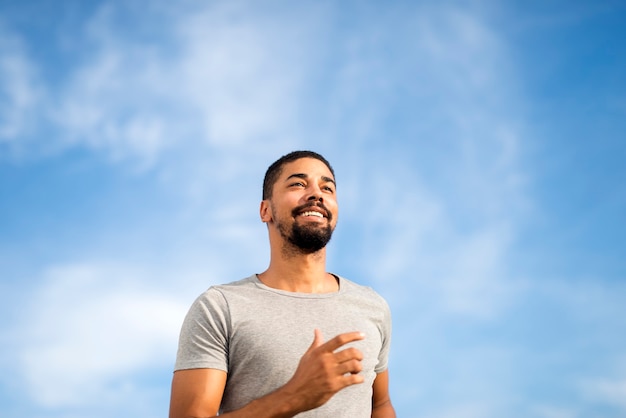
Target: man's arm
x=322 y=372
x=381 y=402
x=197 y=392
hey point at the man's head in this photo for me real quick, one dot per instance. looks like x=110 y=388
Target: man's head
x=299 y=203
x=274 y=171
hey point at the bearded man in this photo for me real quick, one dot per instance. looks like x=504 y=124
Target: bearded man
x=255 y=348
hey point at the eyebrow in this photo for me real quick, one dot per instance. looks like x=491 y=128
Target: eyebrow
x=305 y=176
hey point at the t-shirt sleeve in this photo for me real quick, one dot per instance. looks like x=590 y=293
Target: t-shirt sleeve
x=385 y=332
x=203 y=342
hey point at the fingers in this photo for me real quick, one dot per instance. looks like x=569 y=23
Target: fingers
x=347 y=361
x=348 y=354
x=325 y=369
x=351 y=367
x=341 y=339
x=351 y=379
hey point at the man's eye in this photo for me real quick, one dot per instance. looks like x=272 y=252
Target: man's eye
x=298 y=183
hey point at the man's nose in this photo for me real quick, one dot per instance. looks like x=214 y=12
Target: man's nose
x=316 y=194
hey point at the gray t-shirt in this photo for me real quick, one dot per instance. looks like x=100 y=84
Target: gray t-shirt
x=258 y=334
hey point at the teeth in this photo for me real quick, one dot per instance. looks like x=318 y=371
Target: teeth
x=311 y=213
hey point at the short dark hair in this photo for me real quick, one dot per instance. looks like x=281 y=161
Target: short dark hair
x=274 y=170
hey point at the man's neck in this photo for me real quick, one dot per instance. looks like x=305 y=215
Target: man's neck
x=304 y=273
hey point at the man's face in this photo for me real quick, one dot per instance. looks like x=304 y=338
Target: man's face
x=303 y=205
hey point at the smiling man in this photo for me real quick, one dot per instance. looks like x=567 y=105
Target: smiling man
x=256 y=347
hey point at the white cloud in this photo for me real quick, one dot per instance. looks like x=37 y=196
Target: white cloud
x=19 y=90
x=90 y=328
x=549 y=411
x=244 y=69
x=114 y=100
x=606 y=391
x=448 y=231
x=228 y=75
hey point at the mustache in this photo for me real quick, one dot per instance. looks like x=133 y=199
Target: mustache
x=320 y=205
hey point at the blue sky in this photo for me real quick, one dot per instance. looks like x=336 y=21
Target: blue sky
x=478 y=148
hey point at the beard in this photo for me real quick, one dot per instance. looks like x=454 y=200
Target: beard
x=308 y=238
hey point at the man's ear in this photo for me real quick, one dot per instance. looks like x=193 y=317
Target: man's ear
x=265 y=211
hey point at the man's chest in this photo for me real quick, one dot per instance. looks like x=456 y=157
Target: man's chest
x=272 y=337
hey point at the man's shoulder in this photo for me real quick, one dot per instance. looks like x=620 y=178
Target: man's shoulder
x=223 y=297
x=236 y=286
x=351 y=287
x=249 y=281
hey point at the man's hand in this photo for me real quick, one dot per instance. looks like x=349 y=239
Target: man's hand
x=324 y=370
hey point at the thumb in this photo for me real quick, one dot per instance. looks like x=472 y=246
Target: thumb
x=317 y=340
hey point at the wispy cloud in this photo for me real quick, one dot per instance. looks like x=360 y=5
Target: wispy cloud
x=452 y=223
x=88 y=328
x=606 y=392
x=542 y=411
x=224 y=76
x=20 y=92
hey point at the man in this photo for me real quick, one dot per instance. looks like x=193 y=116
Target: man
x=256 y=348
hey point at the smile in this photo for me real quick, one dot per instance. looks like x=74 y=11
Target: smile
x=312 y=213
